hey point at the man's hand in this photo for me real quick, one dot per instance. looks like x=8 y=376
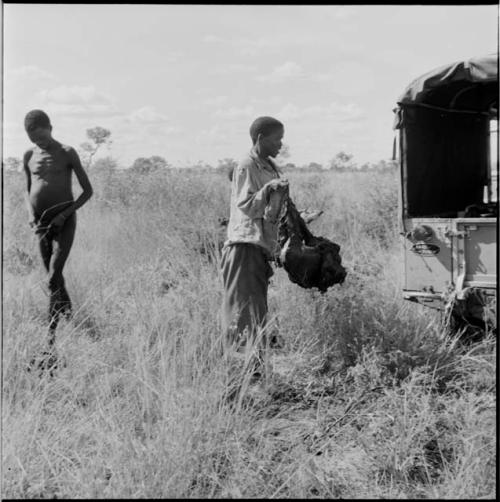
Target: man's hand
x=278 y=184
x=278 y=194
x=57 y=223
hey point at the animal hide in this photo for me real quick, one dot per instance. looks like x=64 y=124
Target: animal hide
x=310 y=261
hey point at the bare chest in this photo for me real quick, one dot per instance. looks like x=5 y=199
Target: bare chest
x=50 y=166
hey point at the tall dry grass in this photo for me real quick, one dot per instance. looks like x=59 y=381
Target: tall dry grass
x=366 y=399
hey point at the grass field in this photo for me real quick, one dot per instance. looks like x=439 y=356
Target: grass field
x=366 y=399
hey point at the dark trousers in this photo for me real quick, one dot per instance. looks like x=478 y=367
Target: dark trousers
x=55 y=248
x=245 y=272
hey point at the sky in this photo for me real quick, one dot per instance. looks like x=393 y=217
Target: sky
x=186 y=81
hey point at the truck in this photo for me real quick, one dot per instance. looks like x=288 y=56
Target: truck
x=446 y=147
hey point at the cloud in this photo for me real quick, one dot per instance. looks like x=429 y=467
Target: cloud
x=235 y=112
x=146 y=115
x=266 y=100
x=13 y=131
x=333 y=111
x=343 y=112
x=22 y=86
x=74 y=95
x=251 y=47
x=172 y=57
x=291 y=39
x=290 y=112
x=228 y=69
x=348 y=78
x=217 y=100
x=344 y=12
x=324 y=77
x=81 y=110
x=172 y=130
x=29 y=72
x=216 y=135
x=286 y=71
x=211 y=39
x=246 y=46
x=77 y=100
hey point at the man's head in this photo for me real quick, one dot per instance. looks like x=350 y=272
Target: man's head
x=266 y=134
x=38 y=127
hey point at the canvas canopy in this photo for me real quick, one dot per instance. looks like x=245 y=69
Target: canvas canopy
x=465 y=85
x=444 y=117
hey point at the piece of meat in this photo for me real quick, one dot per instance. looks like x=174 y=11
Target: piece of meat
x=310 y=216
x=310 y=261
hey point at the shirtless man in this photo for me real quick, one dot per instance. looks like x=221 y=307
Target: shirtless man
x=48 y=167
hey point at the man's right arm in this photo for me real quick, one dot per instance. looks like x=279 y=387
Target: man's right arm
x=251 y=200
x=27 y=172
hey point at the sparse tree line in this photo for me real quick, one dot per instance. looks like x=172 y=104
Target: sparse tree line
x=99 y=137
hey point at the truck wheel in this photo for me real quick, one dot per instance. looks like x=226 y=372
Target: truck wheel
x=471 y=317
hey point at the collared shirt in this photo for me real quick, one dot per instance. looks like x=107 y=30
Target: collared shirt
x=254 y=208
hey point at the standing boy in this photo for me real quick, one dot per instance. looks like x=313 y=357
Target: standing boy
x=257 y=193
x=49 y=166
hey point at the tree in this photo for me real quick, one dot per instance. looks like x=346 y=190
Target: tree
x=227 y=166
x=342 y=162
x=98 y=137
x=106 y=164
x=386 y=165
x=284 y=153
x=159 y=162
x=314 y=166
x=143 y=165
x=104 y=173
x=289 y=166
x=12 y=164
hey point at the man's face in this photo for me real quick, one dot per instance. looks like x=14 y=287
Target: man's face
x=271 y=144
x=41 y=136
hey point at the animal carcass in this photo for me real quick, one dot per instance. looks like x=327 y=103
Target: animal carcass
x=310 y=261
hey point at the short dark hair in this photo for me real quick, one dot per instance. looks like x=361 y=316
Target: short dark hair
x=35 y=119
x=264 y=126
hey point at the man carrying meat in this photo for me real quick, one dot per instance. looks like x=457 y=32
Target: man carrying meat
x=257 y=195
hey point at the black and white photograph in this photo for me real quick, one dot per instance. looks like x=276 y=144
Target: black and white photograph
x=249 y=251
